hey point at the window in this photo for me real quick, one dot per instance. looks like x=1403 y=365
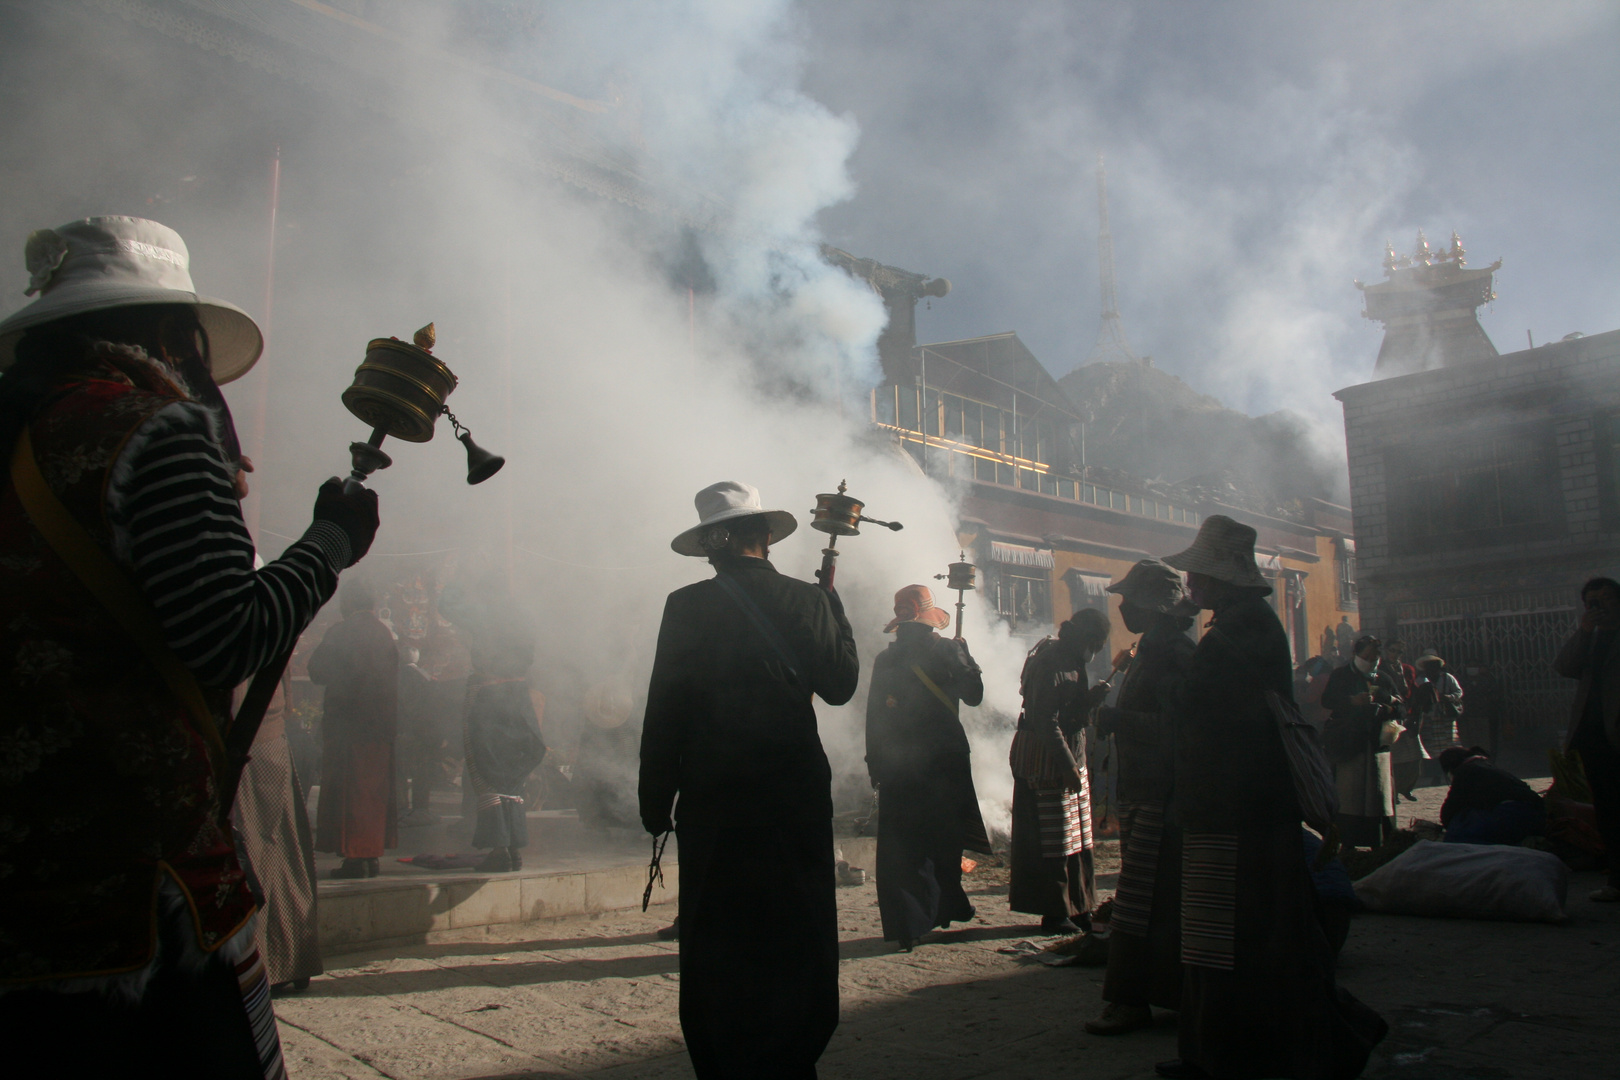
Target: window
x=1066 y=488
x=953 y=417
x=908 y=407
x=1346 y=566
x=1492 y=488
x=1028 y=480
x=984 y=469
x=930 y=412
x=1004 y=474
x=1024 y=598
x=883 y=404
x=1049 y=484
x=972 y=423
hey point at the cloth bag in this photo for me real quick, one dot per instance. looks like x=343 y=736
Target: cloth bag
x=1470 y=881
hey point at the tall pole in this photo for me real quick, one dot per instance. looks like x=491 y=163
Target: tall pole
x=261 y=412
x=1111 y=342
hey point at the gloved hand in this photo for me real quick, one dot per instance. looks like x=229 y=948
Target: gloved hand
x=1097 y=694
x=658 y=826
x=355 y=514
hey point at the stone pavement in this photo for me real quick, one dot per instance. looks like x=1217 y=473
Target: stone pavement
x=597 y=996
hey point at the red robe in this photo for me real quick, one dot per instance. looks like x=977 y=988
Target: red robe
x=358 y=663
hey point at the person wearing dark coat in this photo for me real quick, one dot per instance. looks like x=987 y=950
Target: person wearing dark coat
x=1258 y=997
x=1486 y=803
x=1594 y=729
x=1052 y=848
x=501 y=734
x=731 y=729
x=1144 y=946
x=358 y=663
x=1362 y=697
x=917 y=757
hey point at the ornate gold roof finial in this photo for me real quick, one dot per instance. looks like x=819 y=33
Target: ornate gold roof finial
x=1457 y=254
x=1389 y=259
x=1422 y=254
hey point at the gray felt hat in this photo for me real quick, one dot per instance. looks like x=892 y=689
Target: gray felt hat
x=1223 y=550
x=1150 y=584
x=110 y=262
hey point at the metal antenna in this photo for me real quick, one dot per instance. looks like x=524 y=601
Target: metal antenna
x=1112 y=346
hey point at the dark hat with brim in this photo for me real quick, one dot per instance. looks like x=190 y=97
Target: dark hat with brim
x=1150 y=584
x=1223 y=550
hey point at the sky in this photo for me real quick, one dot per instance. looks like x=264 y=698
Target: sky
x=1259 y=155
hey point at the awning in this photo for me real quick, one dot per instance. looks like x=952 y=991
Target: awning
x=1021 y=555
x=1347 y=544
x=1272 y=564
x=1088 y=583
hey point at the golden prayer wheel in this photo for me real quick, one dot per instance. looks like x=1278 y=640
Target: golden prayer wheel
x=838 y=514
x=400 y=389
x=961 y=578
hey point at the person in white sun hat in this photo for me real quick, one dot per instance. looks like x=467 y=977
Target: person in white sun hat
x=731 y=729
x=129 y=609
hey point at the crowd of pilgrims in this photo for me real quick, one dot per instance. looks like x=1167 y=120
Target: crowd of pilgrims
x=1216 y=915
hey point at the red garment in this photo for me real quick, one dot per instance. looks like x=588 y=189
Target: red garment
x=358 y=663
x=105 y=784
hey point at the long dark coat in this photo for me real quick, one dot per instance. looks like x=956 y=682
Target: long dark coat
x=1144 y=950
x=731 y=729
x=358 y=663
x=1362 y=760
x=917 y=756
x=1258 y=994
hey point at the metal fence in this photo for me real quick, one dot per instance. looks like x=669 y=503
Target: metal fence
x=1512 y=638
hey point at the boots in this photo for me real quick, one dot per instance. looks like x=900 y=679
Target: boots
x=498 y=861
x=355 y=869
x=1117 y=1019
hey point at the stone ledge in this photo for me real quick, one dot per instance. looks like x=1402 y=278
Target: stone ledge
x=392 y=911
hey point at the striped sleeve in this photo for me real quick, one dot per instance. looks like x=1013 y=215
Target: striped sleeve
x=178 y=526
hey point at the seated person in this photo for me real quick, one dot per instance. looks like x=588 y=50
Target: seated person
x=1487 y=804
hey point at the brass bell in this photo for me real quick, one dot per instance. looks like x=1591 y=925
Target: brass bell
x=481 y=464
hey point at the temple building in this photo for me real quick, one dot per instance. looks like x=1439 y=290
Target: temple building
x=1485 y=488
x=985 y=419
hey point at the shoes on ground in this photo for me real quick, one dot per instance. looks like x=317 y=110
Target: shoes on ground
x=1092 y=952
x=1408 y=796
x=672 y=932
x=1058 y=924
x=1607 y=895
x=907 y=944
x=1180 y=1070
x=354 y=870
x=1117 y=1019
x=516 y=856
x=498 y=861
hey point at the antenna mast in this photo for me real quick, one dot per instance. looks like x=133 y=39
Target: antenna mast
x=1112 y=346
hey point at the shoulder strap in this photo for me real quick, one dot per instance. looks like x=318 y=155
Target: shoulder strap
x=760 y=622
x=933 y=688
x=109 y=585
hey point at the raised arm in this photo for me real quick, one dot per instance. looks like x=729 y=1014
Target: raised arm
x=178 y=526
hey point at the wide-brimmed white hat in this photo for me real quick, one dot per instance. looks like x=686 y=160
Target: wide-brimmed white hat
x=110 y=262
x=1223 y=550
x=725 y=501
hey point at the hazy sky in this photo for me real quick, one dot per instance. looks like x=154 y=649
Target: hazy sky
x=1259 y=154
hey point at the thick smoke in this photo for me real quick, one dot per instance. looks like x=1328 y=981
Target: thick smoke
x=622 y=352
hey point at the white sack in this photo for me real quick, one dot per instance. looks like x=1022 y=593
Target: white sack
x=1470 y=881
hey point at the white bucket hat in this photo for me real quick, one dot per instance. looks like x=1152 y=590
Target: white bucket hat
x=725 y=501
x=110 y=262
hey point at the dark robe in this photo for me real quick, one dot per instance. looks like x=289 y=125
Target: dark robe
x=1052 y=855
x=1258 y=996
x=731 y=729
x=358 y=664
x=502 y=740
x=917 y=756
x=1144 y=949
x=1361 y=756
